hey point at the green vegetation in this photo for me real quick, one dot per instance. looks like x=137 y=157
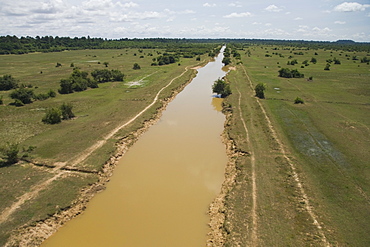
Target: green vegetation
x=7 y=82
x=326 y=141
x=222 y=88
x=287 y=73
x=9 y=154
x=298 y=101
x=260 y=90
x=52 y=116
x=96 y=112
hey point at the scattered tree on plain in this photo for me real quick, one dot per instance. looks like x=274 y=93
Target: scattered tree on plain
x=23 y=95
x=287 y=73
x=52 y=116
x=136 y=66
x=66 y=110
x=9 y=154
x=8 y=82
x=260 y=90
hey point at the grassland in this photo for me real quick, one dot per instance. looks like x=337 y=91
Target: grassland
x=312 y=163
x=98 y=111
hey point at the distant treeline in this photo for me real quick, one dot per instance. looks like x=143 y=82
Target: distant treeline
x=14 y=45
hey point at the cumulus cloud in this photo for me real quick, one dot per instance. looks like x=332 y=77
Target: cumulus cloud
x=273 y=8
x=238 y=15
x=209 y=5
x=351 y=7
x=340 y=22
x=236 y=4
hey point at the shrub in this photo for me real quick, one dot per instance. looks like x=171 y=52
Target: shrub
x=10 y=153
x=136 y=66
x=52 y=93
x=8 y=82
x=327 y=67
x=222 y=88
x=25 y=95
x=1 y=100
x=52 y=116
x=41 y=96
x=287 y=73
x=298 y=101
x=66 y=111
x=260 y=90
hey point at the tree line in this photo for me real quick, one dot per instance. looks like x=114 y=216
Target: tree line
x=186 y=47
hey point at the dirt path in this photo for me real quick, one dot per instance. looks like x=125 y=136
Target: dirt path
x=254 y=237
x=34 y=191
x=308 y=206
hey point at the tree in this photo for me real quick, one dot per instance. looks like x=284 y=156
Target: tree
x=136 y=66
x=260 y=90
x=22 y=94
x=106 y=64
x=222 y=88
x=52 y=116
x=66 y=111
x=10 y=153
x=287 y=73
x=226 y=61
x=313 y=60
x=8 y=82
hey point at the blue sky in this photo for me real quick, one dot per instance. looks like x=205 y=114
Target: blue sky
x=326 y=20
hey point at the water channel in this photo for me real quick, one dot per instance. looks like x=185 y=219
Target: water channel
x=161 y=189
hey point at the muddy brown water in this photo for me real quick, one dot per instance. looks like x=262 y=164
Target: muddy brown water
x=161 y=189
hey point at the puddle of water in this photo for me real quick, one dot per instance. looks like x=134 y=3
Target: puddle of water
x=161 y=189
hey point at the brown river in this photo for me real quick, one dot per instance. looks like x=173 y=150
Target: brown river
x=162 y=187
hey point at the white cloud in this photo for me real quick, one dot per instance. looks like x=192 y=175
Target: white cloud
x=97 y=4
x=236 y=4
x=273 y=8
x=340 y=22
x=128 y=5
x=351 y=7
x=209 y=5
x=298 y=19
x=238 y=15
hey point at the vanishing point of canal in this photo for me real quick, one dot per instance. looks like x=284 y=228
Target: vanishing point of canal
x=162 y=187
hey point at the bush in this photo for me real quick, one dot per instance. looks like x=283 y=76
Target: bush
x=105 y=75
x=52 y=116
x=222 y=88
x=66 y=110
x=24 y=95
x=10 y=153
x=260 y=90
x=1 y=100
x=287 y=73
x=7 y=82
x=136 y=66
x=52 y=93
x=298 y=101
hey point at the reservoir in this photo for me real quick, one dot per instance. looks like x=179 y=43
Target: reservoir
x=162 y=187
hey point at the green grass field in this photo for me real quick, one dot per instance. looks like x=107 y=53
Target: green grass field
x=98 y=111
x=327 y=139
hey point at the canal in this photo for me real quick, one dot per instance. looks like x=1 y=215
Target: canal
x=162 y=187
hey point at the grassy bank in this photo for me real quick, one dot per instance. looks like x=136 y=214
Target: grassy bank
x=325 y=140
x=98 y=111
